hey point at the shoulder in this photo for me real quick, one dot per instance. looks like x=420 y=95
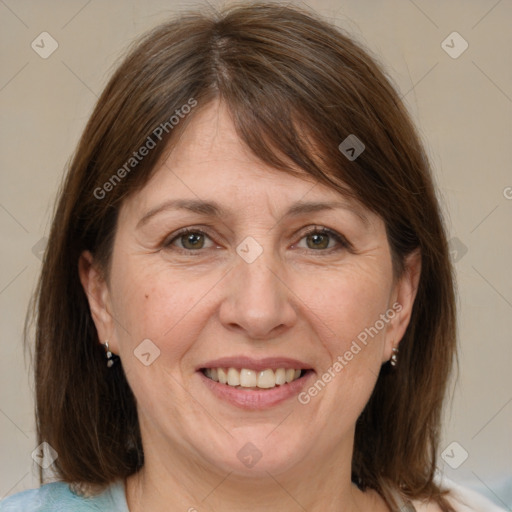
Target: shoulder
x=52 y=496
x=58 y=497
x=421 y=506
x=467 y=499
x=462 y=500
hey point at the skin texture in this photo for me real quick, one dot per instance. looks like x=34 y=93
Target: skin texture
x=295 y=300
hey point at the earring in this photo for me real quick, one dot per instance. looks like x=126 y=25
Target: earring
x=394 y=358
x=110 y=360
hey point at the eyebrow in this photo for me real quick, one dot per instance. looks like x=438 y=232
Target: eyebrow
x=213 y=209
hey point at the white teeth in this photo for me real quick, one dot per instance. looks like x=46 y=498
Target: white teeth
x=280 y=376
x=266 y=379
x=245 y=378
x=222 y=376
x=233 y=377
x=290 y=373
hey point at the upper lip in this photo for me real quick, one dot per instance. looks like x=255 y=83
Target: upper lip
x=249 y=363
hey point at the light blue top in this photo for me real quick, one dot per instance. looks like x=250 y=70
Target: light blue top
x=58 y=497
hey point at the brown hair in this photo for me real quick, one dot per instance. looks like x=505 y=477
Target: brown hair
x=296 y=87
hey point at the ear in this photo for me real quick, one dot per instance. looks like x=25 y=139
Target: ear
x=98 y=295
x=402 y=302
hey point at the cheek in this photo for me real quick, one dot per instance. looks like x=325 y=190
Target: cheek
x=353 y=304
x=352 y=332
x=348 y=303
x=157 y=303
x=156 y=316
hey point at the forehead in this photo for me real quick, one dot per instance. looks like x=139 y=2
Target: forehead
x=210 y=150
x=209 y=162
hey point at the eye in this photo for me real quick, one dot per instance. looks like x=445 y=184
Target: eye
x=324 y=239
x=317 y=239
x=188 y=239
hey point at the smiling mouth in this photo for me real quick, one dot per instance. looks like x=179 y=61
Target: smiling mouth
x=254 y=379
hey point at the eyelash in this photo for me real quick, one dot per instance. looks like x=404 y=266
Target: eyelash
x=340 y=239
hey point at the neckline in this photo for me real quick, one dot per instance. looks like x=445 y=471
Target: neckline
x=403 y=505
x=117 y=493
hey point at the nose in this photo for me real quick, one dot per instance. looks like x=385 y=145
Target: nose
x=258 y=301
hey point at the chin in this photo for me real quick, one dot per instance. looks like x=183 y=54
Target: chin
x=257 y=452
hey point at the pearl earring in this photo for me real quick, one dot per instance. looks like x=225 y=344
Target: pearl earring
x=394 y=357
x=110 y=360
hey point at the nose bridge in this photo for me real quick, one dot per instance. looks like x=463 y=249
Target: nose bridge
x=256 y=271
x=258 y=301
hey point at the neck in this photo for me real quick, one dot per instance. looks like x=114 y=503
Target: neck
x=173 y=481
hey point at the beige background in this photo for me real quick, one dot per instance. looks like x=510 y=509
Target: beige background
x=462 y=106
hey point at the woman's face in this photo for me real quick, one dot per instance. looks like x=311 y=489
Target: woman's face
x=252 y=289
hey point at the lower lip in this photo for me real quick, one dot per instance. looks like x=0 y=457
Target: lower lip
x=256 y=399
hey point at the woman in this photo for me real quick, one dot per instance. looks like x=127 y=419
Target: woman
x=246 y=301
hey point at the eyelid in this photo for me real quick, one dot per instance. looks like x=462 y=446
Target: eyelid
x=316 y=229
x=322 y=230
x=184 y=231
